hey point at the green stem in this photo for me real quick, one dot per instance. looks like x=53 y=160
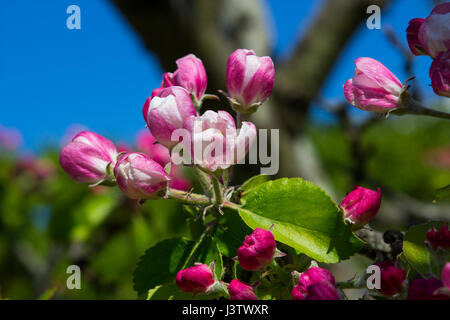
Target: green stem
x=196 y=199
x=419 y=109
x=204 y=180
x=208 y=227
x=218 y=197
x=188 y=198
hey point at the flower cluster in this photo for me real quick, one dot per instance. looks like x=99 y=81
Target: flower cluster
x=211 y=141
x=258 y=253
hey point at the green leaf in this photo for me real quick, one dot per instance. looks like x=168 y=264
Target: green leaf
x=414 y=250
x=442 y=193
x=208 y=252
x=161 y=263
x=304 y=217
x=230 y=233
x=254 y=182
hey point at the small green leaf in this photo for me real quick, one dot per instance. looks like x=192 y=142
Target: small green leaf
x=230 y=233
x=414 y=250
x=161 y=263
x=208 y=252
x=304 y=217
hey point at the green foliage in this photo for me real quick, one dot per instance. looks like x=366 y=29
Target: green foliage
x=416 y=253
x=230 y=233
x=161 y=263
x=304 y=217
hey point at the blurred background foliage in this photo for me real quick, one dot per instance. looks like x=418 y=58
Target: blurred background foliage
x=48 y=222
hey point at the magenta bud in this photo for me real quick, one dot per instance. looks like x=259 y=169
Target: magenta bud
x=139 y=177
x=196 y=279
x=190 y=75
x=412 y=35
x=440 y=74
x=167 y=111
x=439 y=238
x=311 y=276
x=361 y=205
x=240 y=291
x=147 y=144
x=167 y=80
x=426 y=289
x=392 y=278
x=374 y=87
x=249 y=79
x=322 y=291
x=257 y=251
x=88 y=157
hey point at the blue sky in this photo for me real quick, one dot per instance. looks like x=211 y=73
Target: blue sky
x=52 y=77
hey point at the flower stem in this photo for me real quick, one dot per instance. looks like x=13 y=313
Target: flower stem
x=196 y=199
x=418 y=109
x=218 y=197
x=208 y=227
x=188 y=198
x=204 y=180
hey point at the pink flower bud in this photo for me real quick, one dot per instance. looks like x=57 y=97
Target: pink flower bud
x=445 y=275
x=440 y=74
x=139 y=177
x=434 y=33
x=190 y=75
x=392 y=278
x=87 y=157
x=178 y=180
x=412 y=34
x=249 y=79
x=361 y=205
x=216 y=142
x=195 y=279
x=426 y=289
x=147 y=144
x=166 y=112
x=257 y=251
x=311 y=276
x=322 y=291
x=167 y=80
x=374 y=87
x=241 y=291
x=440 y=238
